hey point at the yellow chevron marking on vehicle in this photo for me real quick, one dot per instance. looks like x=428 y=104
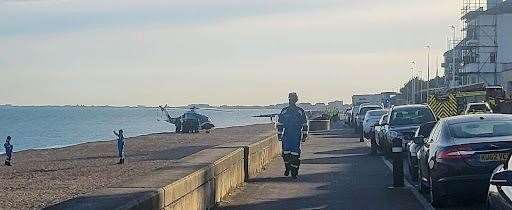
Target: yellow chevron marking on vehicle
x=443 y=107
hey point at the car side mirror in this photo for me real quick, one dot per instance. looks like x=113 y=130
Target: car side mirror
x=419 y=140
x=503 y=178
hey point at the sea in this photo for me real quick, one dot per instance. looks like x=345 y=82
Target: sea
x=54 y=127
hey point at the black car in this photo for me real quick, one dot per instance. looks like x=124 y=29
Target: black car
x=461 y=153
x=403 y=122
x=414 y=146
x=500 y=190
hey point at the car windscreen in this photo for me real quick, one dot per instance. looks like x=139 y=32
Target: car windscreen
x=411 y=116
x=364 y=110
x=478 y=107
x=376 y=113
x=481 y=129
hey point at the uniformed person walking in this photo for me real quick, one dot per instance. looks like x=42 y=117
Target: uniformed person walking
x=8 y=151
x=292 y=128
x=120 y=145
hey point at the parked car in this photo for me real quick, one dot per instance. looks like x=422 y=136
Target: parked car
x=403 y=123
x=478 y=108
x=370 y=120
x=360 y=117
x=499 y=196
x=461 y=153
x=380 y=134
x=355 y=115
x=422 y=133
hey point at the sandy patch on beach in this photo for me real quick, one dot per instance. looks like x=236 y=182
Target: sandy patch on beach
x=40 y=178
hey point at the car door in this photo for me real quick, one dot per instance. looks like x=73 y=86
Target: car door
x=424 y=152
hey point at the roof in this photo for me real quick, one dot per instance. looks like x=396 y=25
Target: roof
x=477 y=118
x=410 y=106
x=370 y=105
x=377 y=110
x=503 y=8
x=478 y=103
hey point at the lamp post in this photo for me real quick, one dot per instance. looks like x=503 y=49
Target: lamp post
x=428 y=70
x=454 y=68
x=420 y=78
x=413 y=84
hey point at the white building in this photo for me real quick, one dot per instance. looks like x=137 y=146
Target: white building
x=452 y=68
x=486 y=45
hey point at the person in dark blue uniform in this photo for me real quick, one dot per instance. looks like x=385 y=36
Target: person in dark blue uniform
x=120 y=146
x=8 y=151
x=292 y=128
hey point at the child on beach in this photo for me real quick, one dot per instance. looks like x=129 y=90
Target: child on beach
x=8 y=151
x=120 y=146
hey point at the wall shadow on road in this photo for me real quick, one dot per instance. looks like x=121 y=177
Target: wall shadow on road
x=346 y=186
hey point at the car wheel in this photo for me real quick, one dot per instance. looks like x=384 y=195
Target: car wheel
x=435 y=198
x=421 y=185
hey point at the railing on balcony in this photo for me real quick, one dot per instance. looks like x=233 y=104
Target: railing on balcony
x=478 y=68
x=507 y=67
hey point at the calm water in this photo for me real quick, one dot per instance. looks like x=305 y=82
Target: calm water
x=47 y=127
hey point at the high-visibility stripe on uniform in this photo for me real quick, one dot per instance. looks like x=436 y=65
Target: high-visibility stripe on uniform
x=294 y=153
x=295 y=166
x=286 y=152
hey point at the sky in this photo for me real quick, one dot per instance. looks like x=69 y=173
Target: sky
x=178 y=52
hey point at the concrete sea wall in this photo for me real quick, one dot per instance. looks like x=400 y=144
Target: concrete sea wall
x=198 y=181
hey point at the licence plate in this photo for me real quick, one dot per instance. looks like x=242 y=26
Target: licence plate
x=491 y=157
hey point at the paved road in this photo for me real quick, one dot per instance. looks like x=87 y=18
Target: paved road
x=336 y=173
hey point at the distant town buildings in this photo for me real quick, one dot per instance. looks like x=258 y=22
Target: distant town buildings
x=385 y=99
x=338 y=105
x=484 y=54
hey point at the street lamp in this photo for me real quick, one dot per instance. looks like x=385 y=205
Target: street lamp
x=413 y=88
x=428 y=70
x=453 y=53
x=420 y=78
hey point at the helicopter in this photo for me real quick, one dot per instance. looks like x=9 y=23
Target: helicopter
x=189 y=122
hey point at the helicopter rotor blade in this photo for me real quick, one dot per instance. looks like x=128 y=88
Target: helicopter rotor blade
x=207 y=109
x=218 y=110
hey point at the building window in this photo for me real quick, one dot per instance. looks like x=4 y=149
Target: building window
x=492 y=58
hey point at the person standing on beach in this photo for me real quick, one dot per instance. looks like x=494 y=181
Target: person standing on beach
x=120 y=146
x=292 y=128
x=8 y=151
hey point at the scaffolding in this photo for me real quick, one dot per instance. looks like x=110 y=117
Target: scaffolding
x=479 y=43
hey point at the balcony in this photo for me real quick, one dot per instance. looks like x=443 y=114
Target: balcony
x=478 y=68
x=507 y=67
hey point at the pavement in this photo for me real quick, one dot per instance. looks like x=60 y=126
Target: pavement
x=336 y=173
